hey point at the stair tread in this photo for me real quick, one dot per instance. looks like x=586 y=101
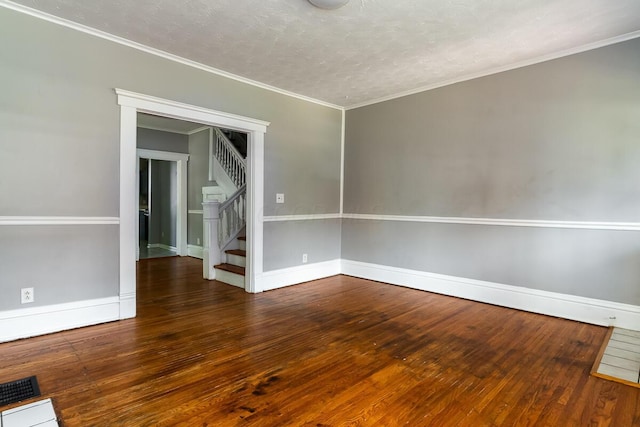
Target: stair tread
x=238 y=252
x=230 y=268
x=244 y=238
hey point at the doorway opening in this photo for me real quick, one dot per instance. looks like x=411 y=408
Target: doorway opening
x=130 y=104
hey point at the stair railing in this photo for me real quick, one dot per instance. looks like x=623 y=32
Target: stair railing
x=233 y=216
x=222 y=223
x=230 y=159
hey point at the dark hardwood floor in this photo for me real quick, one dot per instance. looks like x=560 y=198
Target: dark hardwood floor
x=334 y=352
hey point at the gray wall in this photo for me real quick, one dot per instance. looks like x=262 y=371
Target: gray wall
x=198 y=177
x=39 y=256
x=60 y=131
x=164 y=193
x=319 y=239
x=151 y=139
x=553 y=141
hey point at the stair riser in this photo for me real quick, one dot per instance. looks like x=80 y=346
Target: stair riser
x=238 y=260
x=230 y=278
x=243 y=245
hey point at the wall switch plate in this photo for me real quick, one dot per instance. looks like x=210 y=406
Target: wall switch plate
x=279 y=197
x=304 y=258
x=27 y=295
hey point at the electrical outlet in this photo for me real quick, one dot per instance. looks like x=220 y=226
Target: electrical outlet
x=198 y=241
x=279 y=197
x=304 y=258
x=27 y=295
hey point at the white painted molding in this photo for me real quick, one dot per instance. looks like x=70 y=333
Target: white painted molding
x=623 y=226
x=30 y=322
x=200 y=129
x=130 y=104
x=181 y=160
x=128 y=205
x=280 y=218
x=181 y=111
x=295 y=275
x=58 y=220
x=161 y=129
x=588 y=310
x=168 y=156
x=195 y=251
x=196 y=211
x=127 y=306
x=342 y=139
x=162 y=246
x=496 y=70
x=153 y=51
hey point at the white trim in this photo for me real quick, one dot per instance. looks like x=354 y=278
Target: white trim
x=171 y=57
x=168 y=156
x=196 y=211
x=130 y=104
x=280 y=218
x=162 y=246
x=33 y=321
x=501 y=69
x=181 y=184
x=295 y=275
x=255 y=210
x=342 y=139
x=200 y=129
x=588 y=310
x=179 y=132
x=157 y=52
x=179 y=110
x=58 y=220
x=623 y=226
x=161 y=129
x=129 y=208
x=195 y=251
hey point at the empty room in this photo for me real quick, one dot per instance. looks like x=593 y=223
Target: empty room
x=319 y=213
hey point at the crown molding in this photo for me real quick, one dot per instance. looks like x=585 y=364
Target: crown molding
x=157 y=52
x=496 y=70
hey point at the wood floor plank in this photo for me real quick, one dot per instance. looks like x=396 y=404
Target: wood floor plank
x=333 y=352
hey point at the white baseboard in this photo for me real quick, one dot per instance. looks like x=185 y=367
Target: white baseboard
x=195 y=251
x=30 y=322
x=162 y=246
x=588 y=310
x=294 y=275
x=128 y=306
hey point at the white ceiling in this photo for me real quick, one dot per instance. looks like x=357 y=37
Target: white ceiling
x=365 y=51
x=165 y=124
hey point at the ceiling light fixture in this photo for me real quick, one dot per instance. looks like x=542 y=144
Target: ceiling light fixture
x=328 y=4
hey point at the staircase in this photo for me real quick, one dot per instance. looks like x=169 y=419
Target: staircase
x=225 y=256
x=232 y=271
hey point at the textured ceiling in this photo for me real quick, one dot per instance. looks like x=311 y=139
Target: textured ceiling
x=367 y=50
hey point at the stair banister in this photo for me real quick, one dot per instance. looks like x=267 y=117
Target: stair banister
x=222 y=222
x=230 y=159
x=232 y=217
x=211 y=252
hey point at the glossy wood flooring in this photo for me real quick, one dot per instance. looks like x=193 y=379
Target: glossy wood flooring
x=334 y=352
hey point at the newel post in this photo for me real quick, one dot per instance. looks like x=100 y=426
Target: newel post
x=211 y=252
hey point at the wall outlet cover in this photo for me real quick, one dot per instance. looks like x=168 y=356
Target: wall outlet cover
x=279 y=197
x=27 y=295
x=304 y=258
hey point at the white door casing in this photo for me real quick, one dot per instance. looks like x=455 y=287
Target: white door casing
x=132 y=103
x=181 y=205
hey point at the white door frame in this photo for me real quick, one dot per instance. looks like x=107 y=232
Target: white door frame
x=131 y=104
x=181 y=203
